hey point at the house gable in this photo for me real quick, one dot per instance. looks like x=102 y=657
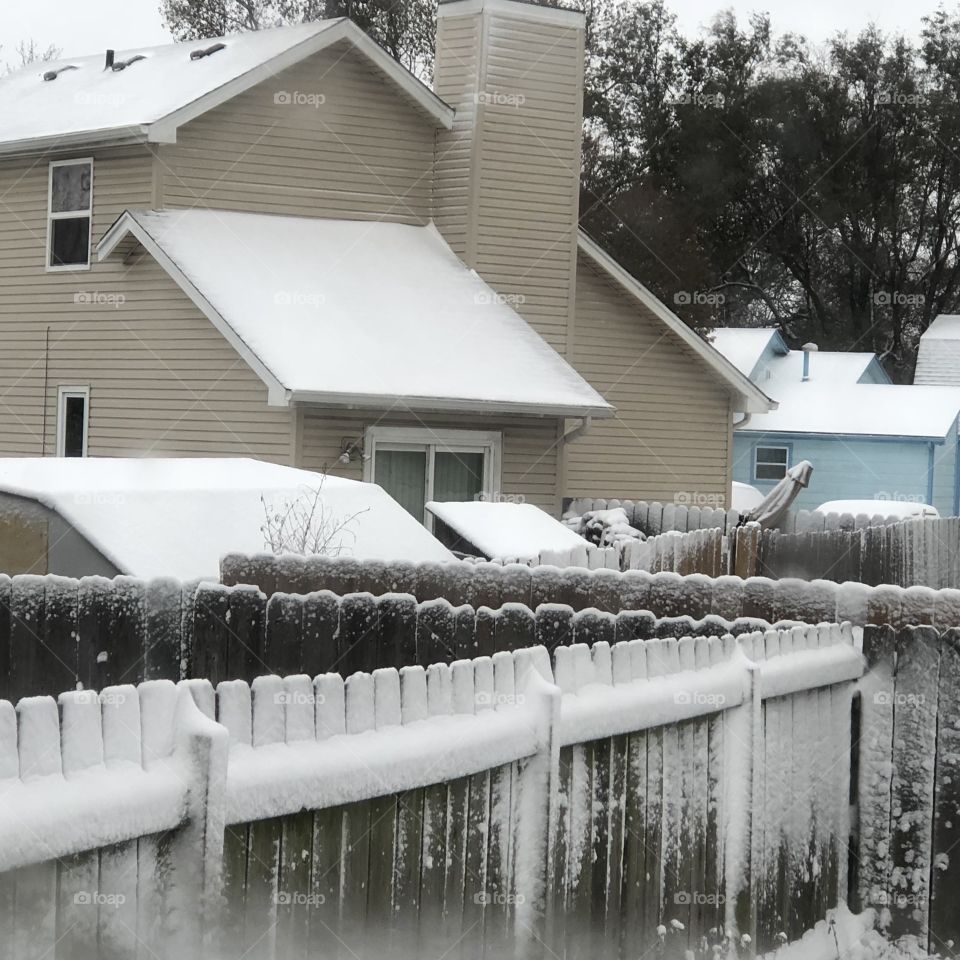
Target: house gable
x=326 y=137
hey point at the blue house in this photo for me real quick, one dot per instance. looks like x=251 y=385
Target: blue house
x=867 y=438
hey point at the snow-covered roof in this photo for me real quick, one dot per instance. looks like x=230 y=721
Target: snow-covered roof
x=832 y=366
x=938 y=359
x=504 y=529
x=750 y=397
x=178 y=517
x=358 y=312
x=828 y=408
x=744 y=346
x=151 y=97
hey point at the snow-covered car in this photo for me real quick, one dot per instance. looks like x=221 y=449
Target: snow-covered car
x=745 y=497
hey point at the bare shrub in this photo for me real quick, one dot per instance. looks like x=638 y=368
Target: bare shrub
x=304 y=525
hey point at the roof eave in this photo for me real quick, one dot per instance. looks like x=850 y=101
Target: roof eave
x=749 y=397
x=448 y=404
x=117 y=136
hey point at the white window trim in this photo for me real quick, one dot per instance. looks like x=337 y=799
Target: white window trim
x=488 y=442
x=68 y=215
x=62 y=394
x=770 y=446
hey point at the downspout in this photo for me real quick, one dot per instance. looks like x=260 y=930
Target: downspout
x=585 y=424
x=956 y=470
x=930 y=468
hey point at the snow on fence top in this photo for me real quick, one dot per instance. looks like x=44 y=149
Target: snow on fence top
x=140 y=760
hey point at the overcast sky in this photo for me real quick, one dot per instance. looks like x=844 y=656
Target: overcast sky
x=92 y=26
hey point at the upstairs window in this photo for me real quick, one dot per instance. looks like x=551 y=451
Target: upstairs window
x=73 y=416
x=70 y=210
x=771 y=463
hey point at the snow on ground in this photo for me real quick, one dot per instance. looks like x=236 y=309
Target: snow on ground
x=507 y=529
x=177 y=517
x=847 y=936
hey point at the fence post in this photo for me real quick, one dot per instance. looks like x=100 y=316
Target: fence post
x=536 y=810
x=746 y=551
x=196 y=855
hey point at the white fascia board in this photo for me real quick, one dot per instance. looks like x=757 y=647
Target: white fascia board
x=165 y=129
x=446 y=405
x=522 y=9
x=128 y=224
x=751 y=398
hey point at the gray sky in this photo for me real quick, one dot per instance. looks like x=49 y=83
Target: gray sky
x=94 y=25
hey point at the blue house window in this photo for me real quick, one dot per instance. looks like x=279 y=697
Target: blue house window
x=771 y=463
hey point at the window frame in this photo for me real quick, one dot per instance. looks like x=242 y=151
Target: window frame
x=67 y=215
x=786 y=447
x=63 y=394
x=487 y=442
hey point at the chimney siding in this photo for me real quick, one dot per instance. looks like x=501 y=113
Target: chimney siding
x=507 y=175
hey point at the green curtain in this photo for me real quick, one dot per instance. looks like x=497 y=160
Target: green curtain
x=403 y=474
x=457 y=476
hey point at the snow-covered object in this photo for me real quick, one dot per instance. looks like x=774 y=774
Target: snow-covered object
x=501 y=529
x=605 y=528
x=408 y=318
x=178 y=517
x=152 y=90
x=900 y=509
x=745 y=496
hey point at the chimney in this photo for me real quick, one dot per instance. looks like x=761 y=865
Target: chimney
x=807 y=349
x=507 y=179
x=108 y=62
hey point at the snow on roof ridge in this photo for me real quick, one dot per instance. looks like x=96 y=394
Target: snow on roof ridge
x=946 y=326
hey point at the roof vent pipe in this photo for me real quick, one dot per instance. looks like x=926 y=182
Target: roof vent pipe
x=108 y=64
x=807 y=349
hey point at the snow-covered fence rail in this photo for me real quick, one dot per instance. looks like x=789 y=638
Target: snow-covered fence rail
x=502 y=799
x=909 y=783
x=107 y=811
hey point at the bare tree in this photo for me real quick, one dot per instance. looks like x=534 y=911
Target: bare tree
x=29 y=51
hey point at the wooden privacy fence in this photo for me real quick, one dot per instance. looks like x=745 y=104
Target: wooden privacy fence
x=919 y=552
x=664 y=594
x=685 y=515
x=908 y=856
x=493 y=803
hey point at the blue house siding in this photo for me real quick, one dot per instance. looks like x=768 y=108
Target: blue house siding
x=859 y=468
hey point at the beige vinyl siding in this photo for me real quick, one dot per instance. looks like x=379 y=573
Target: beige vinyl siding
x=529 y=446
x=162 y=379
x=515 y=219
x=672 y=431
x=361 y=153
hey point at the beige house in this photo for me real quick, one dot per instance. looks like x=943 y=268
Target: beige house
x=282 y=245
